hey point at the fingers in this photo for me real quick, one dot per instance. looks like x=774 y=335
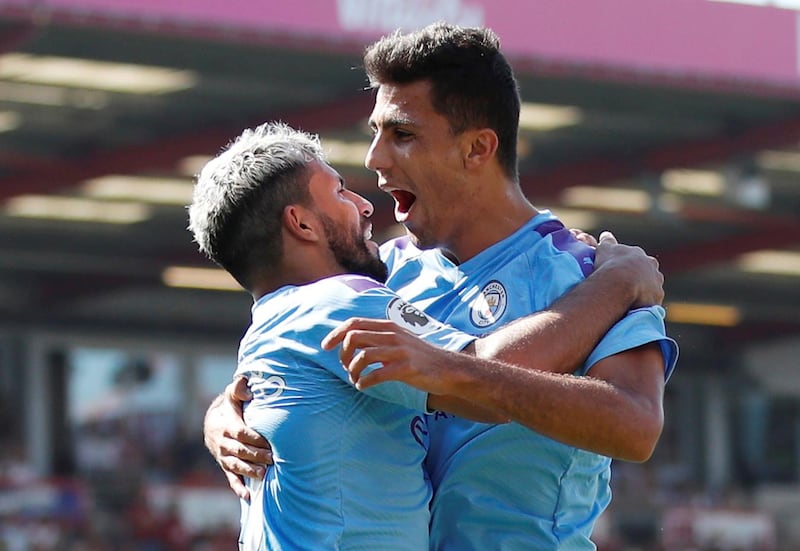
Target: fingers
x=356 y=340
x=583 y=237
x=239 y=459
x=235 y=468
x=393 y=364
x=227 y=424
x=656 y=266
x=357 y=334
x=237 y=486
x=232 y=464
x=238 y=391
x=355 y=366
x=374 y=377
x=226 y=434
x=251 y=445
x=366 y=342
x=608 y=238
x=336 y=336
x=365 y=357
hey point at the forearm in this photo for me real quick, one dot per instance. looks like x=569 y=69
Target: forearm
x=465 y=409
x=560 y=338
x=584 y=412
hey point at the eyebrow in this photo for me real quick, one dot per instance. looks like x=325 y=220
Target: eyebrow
x=391 y=122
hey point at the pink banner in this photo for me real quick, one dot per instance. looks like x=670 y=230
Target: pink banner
x=678 y=38
x=686 y=37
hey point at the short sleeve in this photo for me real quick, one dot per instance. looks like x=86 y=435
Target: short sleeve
x=639 y=327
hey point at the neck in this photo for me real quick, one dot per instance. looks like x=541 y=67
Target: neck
x=491 y=219
x=293 y=273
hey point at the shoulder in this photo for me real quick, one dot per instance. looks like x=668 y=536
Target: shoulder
x=348 y=295
x=354 y=283
x=345 y=292
x=317 y=299
x=398 y=250
x=406 y=260
x=561 y=243
x=365 y=297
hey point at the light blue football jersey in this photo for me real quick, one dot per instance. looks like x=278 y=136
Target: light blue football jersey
x=505 y=486
x=348 y=468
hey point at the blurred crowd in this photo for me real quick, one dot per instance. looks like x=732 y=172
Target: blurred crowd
x=141 y=483
x=129 y=490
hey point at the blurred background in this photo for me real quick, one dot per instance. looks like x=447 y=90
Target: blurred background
x=674 y=124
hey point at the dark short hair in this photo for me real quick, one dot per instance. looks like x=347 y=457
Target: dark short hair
x=473 y=85
x=240 y=195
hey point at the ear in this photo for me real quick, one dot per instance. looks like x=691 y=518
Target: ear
x=301 y=223
x=481 y=147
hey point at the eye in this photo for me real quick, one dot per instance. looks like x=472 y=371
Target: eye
x=403 y=135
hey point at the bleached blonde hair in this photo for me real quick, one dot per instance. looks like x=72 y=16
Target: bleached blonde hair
x=239 y=196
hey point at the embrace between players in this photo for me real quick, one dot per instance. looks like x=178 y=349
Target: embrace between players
x=468 y=389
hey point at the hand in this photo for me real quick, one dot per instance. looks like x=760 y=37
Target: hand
x=583 y=237
x=634 y=267
x=403 y=355
x=239 y=450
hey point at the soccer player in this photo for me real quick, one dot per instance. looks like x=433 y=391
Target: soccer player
x=280 y=220
x=272 y=213
x=477 y=256
x=445 y=121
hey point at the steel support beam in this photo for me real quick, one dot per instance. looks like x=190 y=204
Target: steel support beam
x=54 y=177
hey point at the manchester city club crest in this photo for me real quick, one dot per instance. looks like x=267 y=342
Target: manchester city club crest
x=490 y=304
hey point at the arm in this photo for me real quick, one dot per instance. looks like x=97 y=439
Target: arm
x=560 y=338
x=466 y=409
x=616 y=412
x=556 y=340
x=238 y=449
x=624 y=276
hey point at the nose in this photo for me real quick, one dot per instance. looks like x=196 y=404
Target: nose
x=375 y=159
x=364 y=206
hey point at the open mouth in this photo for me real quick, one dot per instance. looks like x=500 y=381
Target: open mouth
x=404 y=200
